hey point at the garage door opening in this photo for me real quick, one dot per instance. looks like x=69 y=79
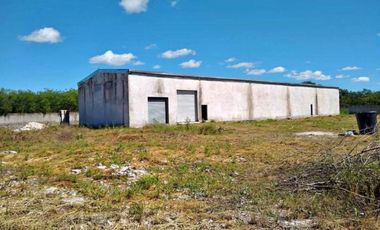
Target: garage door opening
x=187 y=106
x=158 y=110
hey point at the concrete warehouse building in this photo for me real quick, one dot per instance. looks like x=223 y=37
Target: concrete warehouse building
x=137 y=98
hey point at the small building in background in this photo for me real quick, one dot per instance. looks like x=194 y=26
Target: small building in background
x=137 y=98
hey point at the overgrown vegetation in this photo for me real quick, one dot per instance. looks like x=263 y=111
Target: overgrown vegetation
x=207 y=176
x=354 y=177
x=20 y=101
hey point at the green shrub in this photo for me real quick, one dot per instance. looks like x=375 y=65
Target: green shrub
x=145 y=182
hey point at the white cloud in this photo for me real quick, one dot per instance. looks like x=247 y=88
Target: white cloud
x=309 y=75
x=341 y=76
x=278 y=69
x=138 y=63
x=256 y=72
x=361 y=79
x=134 y=6
x=150 y=46
x=170 y=54
x=350 y=68
x=246 y=65
x=109 y=58
x=44 y=35
x=156 y=67
x=229 y=60
x=173 y=3
x=191 y=64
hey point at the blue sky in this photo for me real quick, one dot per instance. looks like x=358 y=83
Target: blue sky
x=56 y=43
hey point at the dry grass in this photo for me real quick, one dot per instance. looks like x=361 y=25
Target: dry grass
x=215 y=175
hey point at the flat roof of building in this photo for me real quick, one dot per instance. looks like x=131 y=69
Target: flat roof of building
x=197 y=77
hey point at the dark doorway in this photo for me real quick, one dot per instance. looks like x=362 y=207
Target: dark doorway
x=204 y=113
x=311 y=110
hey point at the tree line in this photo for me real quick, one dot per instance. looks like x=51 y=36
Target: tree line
x=364 y=97
x=47 y=101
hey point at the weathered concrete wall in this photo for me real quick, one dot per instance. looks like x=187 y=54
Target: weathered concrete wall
x=140 y=88
x=300 y=100
x=226 y=100
x=231 y=101
x=103 y=99
x=20 y=118
x=328 y=102
x=270 y=101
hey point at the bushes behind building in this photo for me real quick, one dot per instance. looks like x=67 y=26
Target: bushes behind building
x=47 y=101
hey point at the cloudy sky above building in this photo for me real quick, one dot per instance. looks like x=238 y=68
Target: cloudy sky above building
x=54 y=44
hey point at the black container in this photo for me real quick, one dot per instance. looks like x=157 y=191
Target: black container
x=367 y=122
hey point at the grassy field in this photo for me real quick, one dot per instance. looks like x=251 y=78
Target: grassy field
x=202 y=176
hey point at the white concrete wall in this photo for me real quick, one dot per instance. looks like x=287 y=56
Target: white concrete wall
x=231 y=101
x=226 y=101
x=270 y=101
x=20 y=118
x=328 y=102
x=300 y=100
x=140 y=88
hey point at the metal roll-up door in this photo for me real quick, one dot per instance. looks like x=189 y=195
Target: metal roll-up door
x=186 y=106
x=157 y=110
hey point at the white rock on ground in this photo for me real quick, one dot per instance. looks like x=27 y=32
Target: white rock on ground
x=130 y=172
x=126 y=170
x=297 y=224
x=8 y=152
x=51 y=190
x=73 y=200
x=101 y=166
x=316 y=134
x=31 y=126
x=76 y=171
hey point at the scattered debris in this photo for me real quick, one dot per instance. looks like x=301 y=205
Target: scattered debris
x=51 y=190
x=349 y=133
x=73 y=200
x=130 y=172
x=76 y=171
x=8 y=152
x=316 y=134
x=31 y=126
x=297 y=224
x=101 y=166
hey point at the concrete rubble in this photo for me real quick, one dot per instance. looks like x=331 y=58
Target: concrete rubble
x=74 y=200
x=126 y=170
x=297 y=224
x=31 y=126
